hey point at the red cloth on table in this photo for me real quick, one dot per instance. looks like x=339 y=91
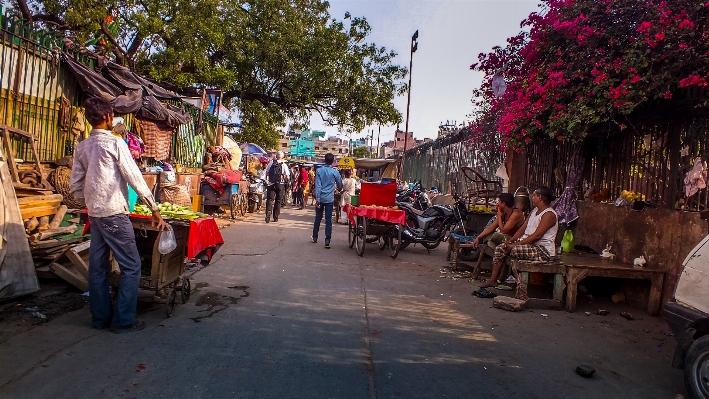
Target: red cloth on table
x=204 y=234
x=385 y=215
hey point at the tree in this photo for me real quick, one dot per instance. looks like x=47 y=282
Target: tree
x=361 y=152
x=278 y=61
x=588 y=64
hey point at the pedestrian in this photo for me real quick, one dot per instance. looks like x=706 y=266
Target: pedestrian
x=295 y=186
x=348 y=190
x=102 y=171
x=277 y=172
x=327 y=179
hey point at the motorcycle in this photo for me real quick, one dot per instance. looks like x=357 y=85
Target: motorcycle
x=432 y=226
x=414 y=196
x=257 y=193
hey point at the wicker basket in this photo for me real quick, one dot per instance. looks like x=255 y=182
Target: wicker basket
x=60 y=178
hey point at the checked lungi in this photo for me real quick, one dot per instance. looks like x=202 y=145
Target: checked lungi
x=521 y=252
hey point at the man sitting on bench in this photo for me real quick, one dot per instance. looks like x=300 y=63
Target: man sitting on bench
x=535 y=240
x=508 y=221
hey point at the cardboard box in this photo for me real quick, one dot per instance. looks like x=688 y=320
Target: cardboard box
x=151 y=180
x=191 y=181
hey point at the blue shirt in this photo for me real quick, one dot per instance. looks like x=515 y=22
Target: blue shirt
x=326 y=178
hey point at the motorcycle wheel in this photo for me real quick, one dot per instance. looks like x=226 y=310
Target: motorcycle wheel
x=394 y=242
x=403 y=245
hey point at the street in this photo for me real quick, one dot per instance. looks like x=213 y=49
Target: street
x=276 y=316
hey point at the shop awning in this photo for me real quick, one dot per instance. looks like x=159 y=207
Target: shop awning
x=372 y=163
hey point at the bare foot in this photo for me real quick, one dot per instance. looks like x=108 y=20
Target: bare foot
x=488 y=284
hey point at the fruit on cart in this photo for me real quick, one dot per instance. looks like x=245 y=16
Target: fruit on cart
x=389 y=208
x=171 y=211
x=481 y=209
x=631 y=196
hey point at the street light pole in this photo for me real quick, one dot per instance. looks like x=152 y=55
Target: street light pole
x=414 y=47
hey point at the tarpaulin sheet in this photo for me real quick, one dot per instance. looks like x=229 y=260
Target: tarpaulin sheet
x=128 y=92
x=382 y=214
x=204 y=234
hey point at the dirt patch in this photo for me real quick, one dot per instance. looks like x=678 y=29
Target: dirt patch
x=213 y=303
x=24 y=313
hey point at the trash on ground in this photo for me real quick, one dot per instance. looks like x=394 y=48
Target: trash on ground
x=509 y=304
x=511 y=280
x=585 y=371
x=627 y=315
x=587 y=313
x=484 y=293
x=603 y=312
x=544 y=315
x=504 y=287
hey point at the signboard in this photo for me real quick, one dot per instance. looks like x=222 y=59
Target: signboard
x=346 y=163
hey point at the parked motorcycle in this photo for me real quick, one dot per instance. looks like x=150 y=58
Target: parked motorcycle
x=414 y=196
x=257 y=193
x=432 y=226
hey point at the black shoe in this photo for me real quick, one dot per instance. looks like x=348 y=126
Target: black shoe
x=314 y=240
x=268 y=219
x=327 y=244
x=137 y=326
x=275 y=219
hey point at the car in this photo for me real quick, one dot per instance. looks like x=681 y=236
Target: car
x=688 y=318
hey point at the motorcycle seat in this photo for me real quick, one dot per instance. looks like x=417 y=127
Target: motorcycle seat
x=414 y=210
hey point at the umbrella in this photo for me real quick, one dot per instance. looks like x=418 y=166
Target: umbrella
x=252 y=149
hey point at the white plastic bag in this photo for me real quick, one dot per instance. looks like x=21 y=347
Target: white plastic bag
x=167 y=242
x=343 y=217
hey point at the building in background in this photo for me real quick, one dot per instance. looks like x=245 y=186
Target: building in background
x=396 y=147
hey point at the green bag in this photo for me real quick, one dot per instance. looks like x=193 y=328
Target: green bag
x=567 y=243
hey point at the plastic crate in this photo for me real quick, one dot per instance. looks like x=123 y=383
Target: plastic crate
x=378 y=194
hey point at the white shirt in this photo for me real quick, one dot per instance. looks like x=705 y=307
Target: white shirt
x=103 y=168
x=548 y=239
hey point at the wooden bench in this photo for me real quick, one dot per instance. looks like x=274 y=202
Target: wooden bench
x=522 y=268
x=581 y=265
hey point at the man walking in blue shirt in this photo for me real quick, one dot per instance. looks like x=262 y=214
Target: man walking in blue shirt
x=326 y=179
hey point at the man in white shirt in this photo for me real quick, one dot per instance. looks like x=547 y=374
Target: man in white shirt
x=277 y=173
x=103 y=169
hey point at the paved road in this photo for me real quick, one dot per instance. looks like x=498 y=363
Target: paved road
x=275 y=316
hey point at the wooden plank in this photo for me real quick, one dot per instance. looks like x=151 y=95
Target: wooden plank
x=39 y=211
x=43 y=223
x=54 y=243
x=77 y=254
x=44 y=272
x=18 y=277
x=70 y=276
x=40 y=204
x=34 y=198
x=52 y=233
x=58 y=217
x=10 y=157
x=31 y=224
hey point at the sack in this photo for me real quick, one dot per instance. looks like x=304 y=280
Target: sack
x=567 y=243
x=167 y=242
x=275 y=174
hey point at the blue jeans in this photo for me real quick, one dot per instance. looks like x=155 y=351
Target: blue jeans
x=114 y=233
x=327 y=208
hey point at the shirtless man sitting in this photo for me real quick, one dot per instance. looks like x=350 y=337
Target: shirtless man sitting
x=509 y=220
x=535 y=240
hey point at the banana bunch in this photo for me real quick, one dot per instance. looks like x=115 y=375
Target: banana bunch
x=481 y=209
x=631 y=196
x=171 y=211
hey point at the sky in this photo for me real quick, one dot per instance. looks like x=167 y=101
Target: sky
x=451 y=35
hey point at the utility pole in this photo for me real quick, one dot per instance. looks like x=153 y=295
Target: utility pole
x=379 y=135
x=414 y=47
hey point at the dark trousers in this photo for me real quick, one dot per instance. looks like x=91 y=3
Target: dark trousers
x=327 y=209
x=113 y=233
x=274 y=199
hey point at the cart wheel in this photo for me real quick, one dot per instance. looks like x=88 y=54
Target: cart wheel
x=394 y=241
x=361 y=236
x=351 y=233
x=383 y=242
x=171 y=302
x=185 y=291
x=234 y=205
x=244 y=200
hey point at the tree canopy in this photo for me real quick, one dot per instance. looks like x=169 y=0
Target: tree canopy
x=278 y=61
x=581 y=64
x=361 y=152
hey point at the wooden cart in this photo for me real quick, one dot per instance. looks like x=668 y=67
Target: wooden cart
x=233 y=196
x=369 y=228
x=163 y=274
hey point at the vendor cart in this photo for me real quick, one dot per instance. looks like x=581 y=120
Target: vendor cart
x=235 y=195
x=371 y=224
x=163 y=274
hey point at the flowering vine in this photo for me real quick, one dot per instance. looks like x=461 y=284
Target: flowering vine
x=579 y=63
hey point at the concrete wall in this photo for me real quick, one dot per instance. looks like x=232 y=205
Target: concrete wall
x=664 y=236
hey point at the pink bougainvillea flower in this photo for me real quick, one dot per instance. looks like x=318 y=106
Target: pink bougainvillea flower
x=683 y=46
x=660 y=37
x=559 y=137
x=686 y=24
x=644 y=27
x=635 y=79
x=667 y=95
